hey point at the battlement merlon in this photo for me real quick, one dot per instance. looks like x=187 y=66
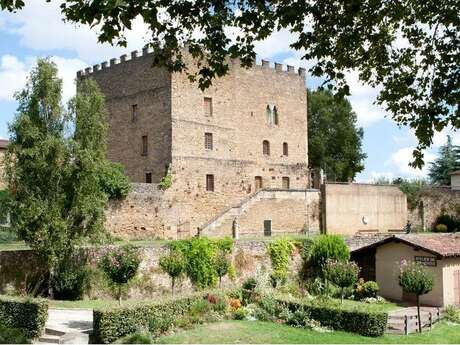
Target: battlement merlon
x=278 y=67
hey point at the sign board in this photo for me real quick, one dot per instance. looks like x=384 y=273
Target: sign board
x=426 y=260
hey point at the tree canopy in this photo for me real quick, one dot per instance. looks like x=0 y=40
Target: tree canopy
x=57 y=195
x=334 y=141
x=409 y=49
x=447 y=162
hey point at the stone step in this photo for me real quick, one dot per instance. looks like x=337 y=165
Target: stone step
x=49 y=339
x=53 y=331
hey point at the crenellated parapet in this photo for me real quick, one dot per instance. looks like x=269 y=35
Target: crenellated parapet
x=265 y=64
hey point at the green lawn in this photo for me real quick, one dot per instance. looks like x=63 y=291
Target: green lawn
x=15 y=245
x=95 y=304
x=257 y=332
x=20 y=245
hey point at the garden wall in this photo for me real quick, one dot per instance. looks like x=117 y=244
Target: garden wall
x=17 y=267
x=350 y=208
x=432 y=202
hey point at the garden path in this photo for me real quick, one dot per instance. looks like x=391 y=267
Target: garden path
x=67 y=326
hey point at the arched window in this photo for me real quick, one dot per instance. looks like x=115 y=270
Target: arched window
x=266 y=147
x=285 y=149
x=275 y=115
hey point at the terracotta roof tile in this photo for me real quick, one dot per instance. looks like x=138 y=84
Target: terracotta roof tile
x=456 y=172
x=3 y=143
x=446 y=245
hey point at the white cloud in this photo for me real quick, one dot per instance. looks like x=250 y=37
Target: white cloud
x=40 y=27
x=13 y=76
x=277 y=43
x=375 y=176
x=399 y=161
x=14 y=73
x=67 y=70
x=362 y=100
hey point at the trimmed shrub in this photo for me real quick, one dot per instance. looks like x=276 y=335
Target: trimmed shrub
x=344 y=274
x=12 y=336
x=174 y=265
x=120 y=265
x=371 y=324
x=136 y=338
x=451 y=223
x=27 y=315
x=417 y=279
x=112 y=324
x=367 y=289
x=441 y=228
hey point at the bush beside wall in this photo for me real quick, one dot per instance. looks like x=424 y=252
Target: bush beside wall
x=371 y=324
x=27 y=315
x=112 y=324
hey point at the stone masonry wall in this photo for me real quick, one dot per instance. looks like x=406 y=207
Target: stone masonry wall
x=239 y=126
x=125 y=83
x=172 y=115
x=248 y=257
x=434 y=201
x=290 y=212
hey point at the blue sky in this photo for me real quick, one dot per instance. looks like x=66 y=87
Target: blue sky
x=38 y=31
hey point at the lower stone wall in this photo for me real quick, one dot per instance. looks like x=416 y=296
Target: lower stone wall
x=19 y=269
x=432 y=202
x=289 y=211
x=150 y=213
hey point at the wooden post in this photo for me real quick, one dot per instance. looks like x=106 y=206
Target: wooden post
x=406 y=331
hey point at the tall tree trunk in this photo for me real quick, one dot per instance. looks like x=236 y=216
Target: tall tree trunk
x=418 y=314
x=220 y=282
x=173 y=283
x=119 y=294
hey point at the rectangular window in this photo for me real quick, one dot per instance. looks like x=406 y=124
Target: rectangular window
x=134 y=113
x=285 y=182
x=258 y=182
x=210 y=183
x=145 y=145
x=208 y=141
x=207 y=106
x=285 y=149
x=148 y=177
x=267 y=227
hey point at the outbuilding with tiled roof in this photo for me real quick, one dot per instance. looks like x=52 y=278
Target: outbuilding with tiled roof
x=439 y=253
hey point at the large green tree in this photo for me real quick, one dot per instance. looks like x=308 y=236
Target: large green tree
x=408 y=48
x=447 y=162
x=334 y=140
x=54 y=176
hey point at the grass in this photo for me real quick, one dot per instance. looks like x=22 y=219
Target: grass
x=375 y=307
x=94 y=304
x=258 y=332
x=11 y=245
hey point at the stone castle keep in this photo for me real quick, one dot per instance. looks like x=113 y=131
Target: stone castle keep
x=246 y=133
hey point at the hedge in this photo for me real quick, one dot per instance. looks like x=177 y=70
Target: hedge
x=27 y=315
x=112 y=324
x=371 y=324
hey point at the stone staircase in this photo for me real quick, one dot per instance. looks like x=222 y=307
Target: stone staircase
x=67 y=326
x=224 y=220
x=226 y=217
